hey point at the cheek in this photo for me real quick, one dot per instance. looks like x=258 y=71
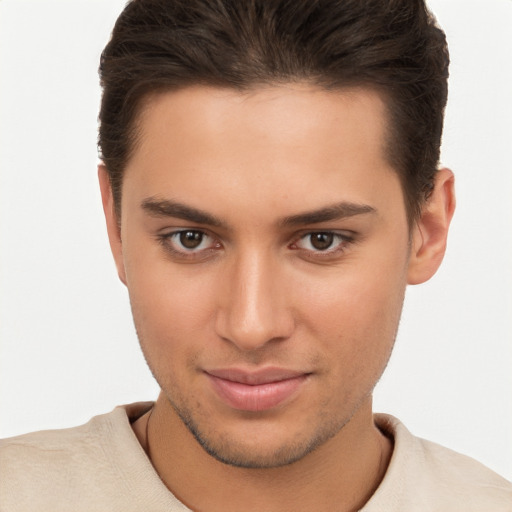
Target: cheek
x=171 y=308
x=355 y=316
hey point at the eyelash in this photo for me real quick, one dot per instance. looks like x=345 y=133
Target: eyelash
x=343 y=242
x=166 y=240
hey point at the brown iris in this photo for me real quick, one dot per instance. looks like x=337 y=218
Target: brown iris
x=191 y=239
x=321 y=241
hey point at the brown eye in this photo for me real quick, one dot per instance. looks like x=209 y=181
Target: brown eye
x=321 y=241
x=191 y=239
x=192 y=245
x=324 y=243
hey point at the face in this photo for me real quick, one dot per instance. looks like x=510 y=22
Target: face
x=265 y=248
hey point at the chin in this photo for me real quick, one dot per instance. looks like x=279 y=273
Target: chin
x=257 y=447
x=241 y=455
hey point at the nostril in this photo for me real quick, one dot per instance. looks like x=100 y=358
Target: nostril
x=256 y=331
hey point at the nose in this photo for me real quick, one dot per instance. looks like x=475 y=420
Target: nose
x=254 y=309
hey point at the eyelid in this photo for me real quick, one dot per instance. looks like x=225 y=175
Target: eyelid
x=347 y=238
x=165 y=238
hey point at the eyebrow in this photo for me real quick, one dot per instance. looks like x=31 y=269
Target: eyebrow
x=168 y=208
x=334 y=212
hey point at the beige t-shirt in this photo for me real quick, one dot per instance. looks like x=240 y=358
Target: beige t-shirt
x=100 y=466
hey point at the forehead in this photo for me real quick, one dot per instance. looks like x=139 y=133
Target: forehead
x=269 y=146
x=288 y=113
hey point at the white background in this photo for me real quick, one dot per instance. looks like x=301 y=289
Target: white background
x=68 y=348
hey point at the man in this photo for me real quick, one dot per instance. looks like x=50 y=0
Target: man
x=270 y=184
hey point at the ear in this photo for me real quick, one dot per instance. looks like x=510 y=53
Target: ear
x=428 y=243
x=113 y=224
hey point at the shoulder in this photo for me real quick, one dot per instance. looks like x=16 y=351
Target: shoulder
x=53 y=468
x=41 y=451
x=425 y=476
x=55 y=447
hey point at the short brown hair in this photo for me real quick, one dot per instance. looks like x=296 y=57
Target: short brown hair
x=394 y=46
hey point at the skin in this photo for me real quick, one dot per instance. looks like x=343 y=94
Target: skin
x=257 y=293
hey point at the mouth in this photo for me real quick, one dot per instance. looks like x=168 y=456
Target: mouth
x=256 y=391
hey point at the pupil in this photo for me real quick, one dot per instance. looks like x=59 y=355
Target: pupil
x=322 y=241
x=191 y=239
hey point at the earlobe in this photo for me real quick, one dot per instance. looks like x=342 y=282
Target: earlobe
x=113 y=225
x=428 y=241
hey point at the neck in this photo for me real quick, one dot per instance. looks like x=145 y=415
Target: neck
x=342 y=474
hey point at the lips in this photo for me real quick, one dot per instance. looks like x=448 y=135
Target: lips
x=255 y=391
